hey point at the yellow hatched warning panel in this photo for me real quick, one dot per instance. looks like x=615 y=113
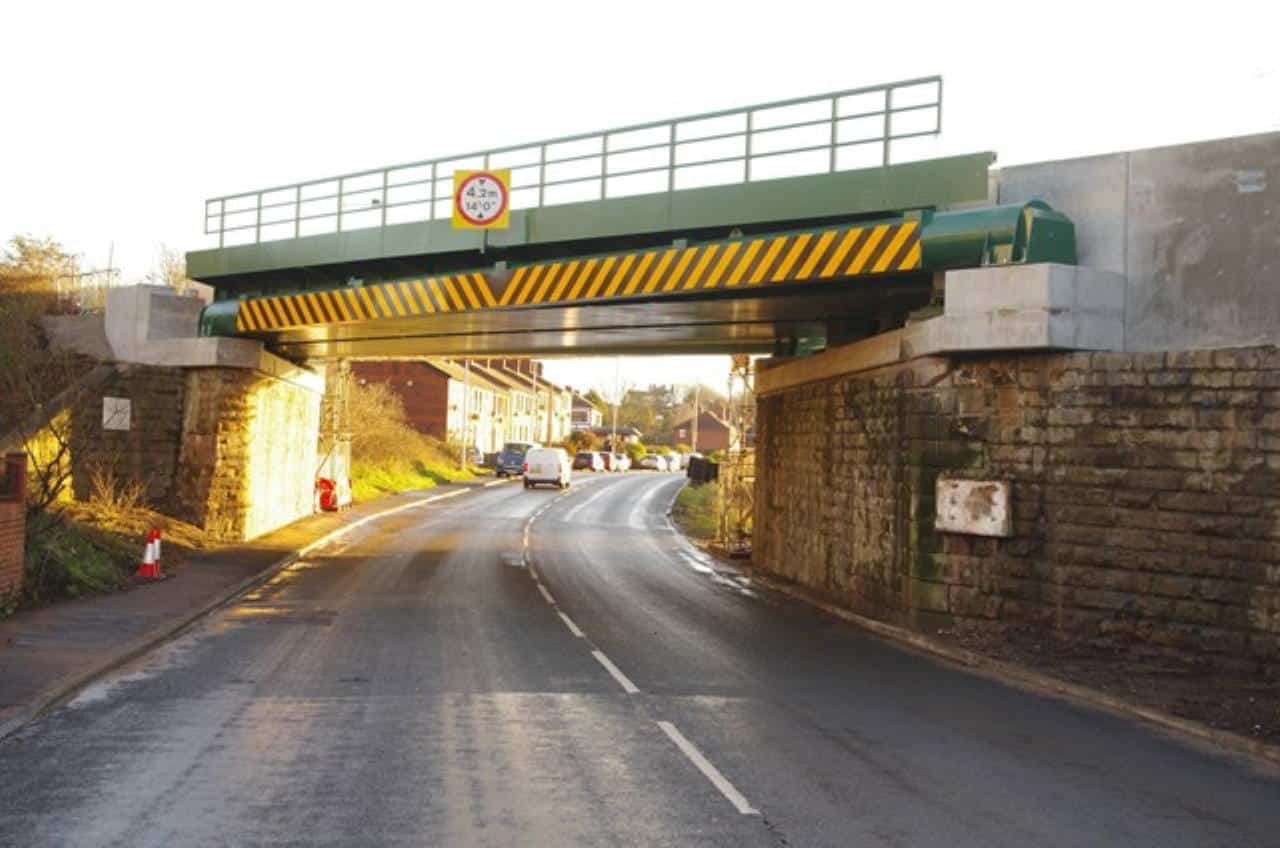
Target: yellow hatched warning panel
x=797 y=258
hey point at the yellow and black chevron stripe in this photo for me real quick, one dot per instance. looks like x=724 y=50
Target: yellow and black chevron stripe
x=767 y=260
x=800 y=257
x=407 y=299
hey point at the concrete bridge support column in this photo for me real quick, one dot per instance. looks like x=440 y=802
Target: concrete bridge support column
x=247 y=450
x=219 y=432
x=334 y=448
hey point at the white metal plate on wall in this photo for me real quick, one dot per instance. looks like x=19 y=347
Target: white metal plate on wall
x=116 y=413
x=975 y=507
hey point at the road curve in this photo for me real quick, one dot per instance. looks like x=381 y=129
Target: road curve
x=561 y=668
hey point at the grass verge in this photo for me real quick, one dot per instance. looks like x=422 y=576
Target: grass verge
x=697 y=511
x=91 y=549
x=374 y=478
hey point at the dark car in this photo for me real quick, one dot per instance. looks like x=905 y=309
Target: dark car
x=588 y=460
x=511 y=458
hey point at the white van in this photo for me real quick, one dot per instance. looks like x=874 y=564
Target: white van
x=547 y=465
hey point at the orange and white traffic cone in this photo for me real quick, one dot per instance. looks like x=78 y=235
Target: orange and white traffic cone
x=150 y=566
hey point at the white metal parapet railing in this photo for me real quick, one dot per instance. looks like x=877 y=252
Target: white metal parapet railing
x=838 y=131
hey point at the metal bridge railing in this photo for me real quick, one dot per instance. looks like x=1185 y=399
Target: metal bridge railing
x=838 y=131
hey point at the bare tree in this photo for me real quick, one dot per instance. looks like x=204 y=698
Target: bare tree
x=37 y=382
x=171 y=271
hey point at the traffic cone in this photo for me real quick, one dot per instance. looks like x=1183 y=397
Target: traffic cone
x=150 y=567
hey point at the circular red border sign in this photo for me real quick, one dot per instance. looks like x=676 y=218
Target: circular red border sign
x=462 y=187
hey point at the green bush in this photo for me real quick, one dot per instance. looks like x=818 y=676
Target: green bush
x=66 y=560
x=636 y=452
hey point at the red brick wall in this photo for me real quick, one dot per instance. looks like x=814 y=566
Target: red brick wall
x=424 y=390
x=712 y=435
x=13 y=516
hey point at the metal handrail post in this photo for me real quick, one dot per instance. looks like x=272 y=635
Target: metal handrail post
x=888 y=122
x=257 y=221
x=835 y=124
x=297 y=211
x=222 y=221
x=671 y=157
x=385 y=175
x=542 y=173
x=431 y=206
x=751 y=128
x=342 y=184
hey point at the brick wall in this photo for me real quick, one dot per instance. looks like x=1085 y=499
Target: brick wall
x=1146 y=494
x=13 y=517
x=424 y=390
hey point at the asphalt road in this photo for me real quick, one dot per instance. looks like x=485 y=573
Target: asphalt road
x=545 y=668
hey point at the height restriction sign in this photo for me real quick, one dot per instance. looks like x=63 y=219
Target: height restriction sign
x=482 y=199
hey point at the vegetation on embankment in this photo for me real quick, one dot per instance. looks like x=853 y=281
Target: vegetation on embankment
x=90 y=547
x=697 y=511
x=389 y=456
x=71 y=549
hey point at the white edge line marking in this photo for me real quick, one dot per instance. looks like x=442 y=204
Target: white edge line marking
x=339 y=532
x=627 y=686
x=546 y=594
x=712 y=773
x=568 y=622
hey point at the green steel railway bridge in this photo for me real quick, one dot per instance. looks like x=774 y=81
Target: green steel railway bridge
x=781 y=227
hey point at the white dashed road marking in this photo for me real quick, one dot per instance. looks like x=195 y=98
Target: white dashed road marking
x=573 y=628
x=623 y=681
x=718 y=780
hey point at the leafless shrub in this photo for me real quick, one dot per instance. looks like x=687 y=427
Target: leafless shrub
x=112 y=497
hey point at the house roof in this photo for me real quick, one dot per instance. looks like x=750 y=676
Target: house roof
x=704 y=414
x=531 y=382
x=455 y=371
x=622 y=431
x=503 y=379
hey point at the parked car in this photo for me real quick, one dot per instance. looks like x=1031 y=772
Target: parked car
x=653 y=462
x=511 y=457
x=621 y=462
x=547 y=465
x=588 y=461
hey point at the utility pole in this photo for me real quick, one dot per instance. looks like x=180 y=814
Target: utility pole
x=466 y=411
x=697 y=399
x=613 y=436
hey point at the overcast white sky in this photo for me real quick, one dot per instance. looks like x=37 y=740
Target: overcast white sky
x=120 y=118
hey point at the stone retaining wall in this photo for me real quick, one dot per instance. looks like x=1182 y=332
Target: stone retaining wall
x=248 y=452
x=1145 y=494
x=145 y=448
x=230 y=450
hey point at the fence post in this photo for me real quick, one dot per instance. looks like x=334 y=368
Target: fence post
x=15 y=477
x=13 y=520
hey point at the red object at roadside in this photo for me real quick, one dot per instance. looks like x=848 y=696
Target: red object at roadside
x=327 y=494
x=150 y=567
